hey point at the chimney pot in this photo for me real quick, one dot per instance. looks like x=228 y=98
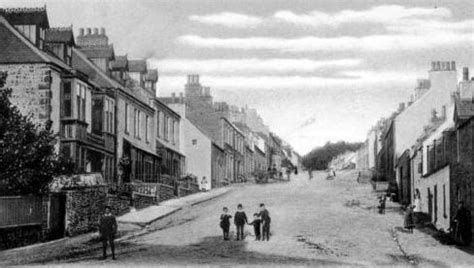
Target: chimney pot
x=102 y=31
x=465 y=74
x=81 y=31
x=453 y=65
x=89 y=31
x=96 y=31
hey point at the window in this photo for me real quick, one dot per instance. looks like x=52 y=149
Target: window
x=67 y=101
x=176 y=131
x=137 y=123
x=126 y=118
x=109 y=115
x=29 y=31
x=194 y=141
x=444 y=201
x=162 y=124
x=80 y=101
x=147 y=125
x=172 y=131
x=158 y=118
x=165 y=131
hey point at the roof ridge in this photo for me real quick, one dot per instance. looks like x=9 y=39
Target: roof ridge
x=23 y=9
x=59 y=29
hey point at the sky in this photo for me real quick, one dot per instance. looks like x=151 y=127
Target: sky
x=316 y=71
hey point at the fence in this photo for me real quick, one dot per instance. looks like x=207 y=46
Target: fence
x=20 y=211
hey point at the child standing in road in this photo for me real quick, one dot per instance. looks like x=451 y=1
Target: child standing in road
x=256 y=226
x=265 y=216
x=107 y=231
x=240 y=219
x=225 y=223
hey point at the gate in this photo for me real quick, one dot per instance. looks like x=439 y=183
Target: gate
x=57 y=215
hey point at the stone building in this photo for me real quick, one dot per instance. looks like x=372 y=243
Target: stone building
x=38 y=61
x=200 y=111
x=443 y=160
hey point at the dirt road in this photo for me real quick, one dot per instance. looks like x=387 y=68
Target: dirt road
x=314 y=222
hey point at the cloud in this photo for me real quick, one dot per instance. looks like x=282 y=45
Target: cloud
x=250 y=66
x=353 y=79
x=228 y=19
x=343 y=43
x=387 y=14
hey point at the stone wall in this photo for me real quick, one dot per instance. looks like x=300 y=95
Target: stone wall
x=83 y=209
x=166 y=192
x=194 y=187
x=143 y=200
x=184 y=191
x=119 y=204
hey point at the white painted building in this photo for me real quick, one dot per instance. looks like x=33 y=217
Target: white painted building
x=197 y=148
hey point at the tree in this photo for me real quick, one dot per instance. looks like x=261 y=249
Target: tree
x=319 y=158
x=28 y=161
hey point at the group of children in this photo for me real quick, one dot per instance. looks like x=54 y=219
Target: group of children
x=260 y=220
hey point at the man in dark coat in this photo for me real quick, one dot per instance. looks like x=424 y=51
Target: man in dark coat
x=265 y=217
x=462 y=219
x=107 y=230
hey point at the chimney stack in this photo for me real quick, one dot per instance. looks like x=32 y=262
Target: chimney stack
x=181 y=97
x=453 y=66
x=173 y=97
x=465 y=74
x=96 y=31
x=102 y=31
x=89 y=31
x=81 y=31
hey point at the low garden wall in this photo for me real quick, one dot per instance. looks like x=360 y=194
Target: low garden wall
x=166 y=192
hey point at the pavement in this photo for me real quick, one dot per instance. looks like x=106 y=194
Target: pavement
x=146 y=216
x=316 y=222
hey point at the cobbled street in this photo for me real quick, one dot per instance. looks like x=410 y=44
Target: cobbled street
x=314 y=222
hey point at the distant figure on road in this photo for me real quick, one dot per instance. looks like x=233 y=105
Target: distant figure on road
x=256 y=226
x=462 y=221
x=409 y=219
x=288 y=173
x=417 y=211
x=107 y=231
x=225 y=223
x=265 y=216
x=310 y=173
x=382 y=201
x=240 y=219
x=204 y=184
x=296 y=171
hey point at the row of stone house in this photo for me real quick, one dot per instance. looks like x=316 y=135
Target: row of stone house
x=109 y=119
x=426 y=147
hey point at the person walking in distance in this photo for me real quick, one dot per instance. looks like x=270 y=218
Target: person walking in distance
x=108 y=230
x=265 y=217
x=225 y=223
x=240 y=219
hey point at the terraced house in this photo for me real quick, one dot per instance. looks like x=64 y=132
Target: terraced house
x=38 y=61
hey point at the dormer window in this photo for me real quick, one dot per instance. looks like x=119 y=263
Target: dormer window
x=29 y=31
x=42 y=37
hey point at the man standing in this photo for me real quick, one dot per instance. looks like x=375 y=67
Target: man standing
x=463 y=225
x=265 y=217
x=107 y=230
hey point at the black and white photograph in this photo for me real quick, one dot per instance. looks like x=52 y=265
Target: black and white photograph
x=237 y=133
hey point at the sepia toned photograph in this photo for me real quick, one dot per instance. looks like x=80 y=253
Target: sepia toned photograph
x=237 y=133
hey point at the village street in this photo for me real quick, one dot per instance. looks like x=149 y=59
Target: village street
x=317 y=222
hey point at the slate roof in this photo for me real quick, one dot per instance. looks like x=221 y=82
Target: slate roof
x=120 y=63
x=152 y=75
x=26 y=16
x=60 y=35
x=16 y=48
x=137 y=66
x=99 y=51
